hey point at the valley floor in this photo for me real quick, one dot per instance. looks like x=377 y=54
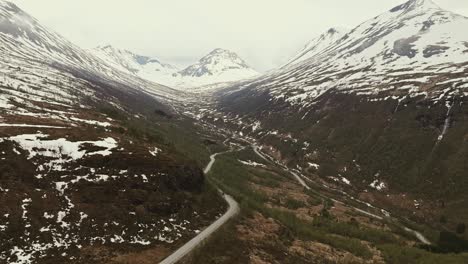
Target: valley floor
x=283 y=222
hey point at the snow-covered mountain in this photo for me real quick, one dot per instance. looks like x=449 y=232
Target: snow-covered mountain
x=70 y=168
x=146 y=67
x=318 y=44
x=416 y=48
x=25 y=40
x=387 y=101
x=219 y=66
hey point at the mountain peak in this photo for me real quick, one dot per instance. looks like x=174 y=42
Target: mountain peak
x=219 y=50
x=111 y=49
x=334 y=30
x=415 y=4
x=105 y=47
x=226 y=54
x=220 y=65
x=217 y=61
x=318 y=44
x=126 y=60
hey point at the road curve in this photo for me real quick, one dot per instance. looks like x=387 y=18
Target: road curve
x=196 y=241
x=299 y=179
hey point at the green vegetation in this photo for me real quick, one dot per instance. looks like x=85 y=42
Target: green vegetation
x=180 y=134
x=236 y=179
x=294 y=204
x=307 y=231
x=395 y=254
x=352 y=229
x=369 y=138
x=225 y=238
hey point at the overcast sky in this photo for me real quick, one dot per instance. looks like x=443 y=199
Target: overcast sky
x=264 y=32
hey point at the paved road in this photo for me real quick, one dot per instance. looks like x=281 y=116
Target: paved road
x=196 y=241
x=298 y=178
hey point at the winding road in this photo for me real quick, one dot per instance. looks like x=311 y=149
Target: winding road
x=234 y=210
x=196 y=241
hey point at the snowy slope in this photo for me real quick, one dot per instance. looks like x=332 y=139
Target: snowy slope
x=219 y=66
x=318 y=45
x=415 y=49
x=67 y=159
x=28 y=45
x=143 y=66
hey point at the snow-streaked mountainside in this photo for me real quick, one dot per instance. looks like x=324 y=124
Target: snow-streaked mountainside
x=219 y=66
x=73 y=158
x=219 y=63
x=27 y=44
x=318 y=44
x=384 y=103
x=146 y=67
x=37 y=64
x=416 y=48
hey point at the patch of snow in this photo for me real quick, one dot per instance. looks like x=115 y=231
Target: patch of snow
x=378 y=185
x=314 y=165
x=252 y=163
x=155 y=151
x=26 y=125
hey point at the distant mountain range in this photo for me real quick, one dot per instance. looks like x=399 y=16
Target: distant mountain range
x=412 y=44
x=219 y=66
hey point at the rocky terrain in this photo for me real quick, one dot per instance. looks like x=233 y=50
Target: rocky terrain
x=89 y=172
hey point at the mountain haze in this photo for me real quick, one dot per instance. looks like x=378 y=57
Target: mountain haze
x=219 y=66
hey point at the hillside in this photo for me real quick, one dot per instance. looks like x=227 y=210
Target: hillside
x=317 y=45
x=143 y=66
x=90 y=167
x=354 y=151
x=380 y=112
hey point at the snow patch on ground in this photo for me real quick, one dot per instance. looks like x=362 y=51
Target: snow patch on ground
x=341 y=179
x=314 y=165
x=36 y=145
x=155 y=151
x=252 y=163
x=4 y=102
x=60 y=150
x=26 y=125
x=378 y=185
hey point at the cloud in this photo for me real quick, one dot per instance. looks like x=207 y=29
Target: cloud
x=264 y=32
